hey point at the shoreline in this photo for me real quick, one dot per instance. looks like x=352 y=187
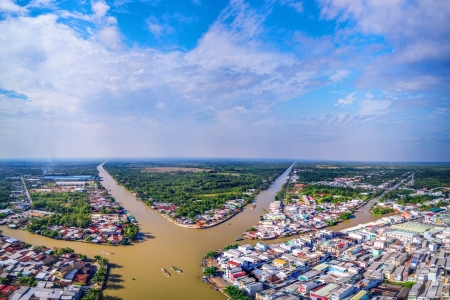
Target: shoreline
x=195 y=226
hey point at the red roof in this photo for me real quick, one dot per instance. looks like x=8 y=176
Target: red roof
x=9 y=288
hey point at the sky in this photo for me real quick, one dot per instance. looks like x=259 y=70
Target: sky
x=328 y=79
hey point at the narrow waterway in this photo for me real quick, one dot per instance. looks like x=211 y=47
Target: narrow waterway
x=361 y=216
x=163 y=244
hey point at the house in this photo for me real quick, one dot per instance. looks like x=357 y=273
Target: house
x=361 y=295
x=63 y=271
x=323 y=292
x=280 y=263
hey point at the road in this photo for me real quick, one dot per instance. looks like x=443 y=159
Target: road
x=368 y=207
x=26 y=190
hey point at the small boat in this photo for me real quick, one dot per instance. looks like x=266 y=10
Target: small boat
x=253 y=206
x=165 y=272
x=107 y=253
x=133 y=278
x=176 y=269
x=206 y=280
x=238 y=239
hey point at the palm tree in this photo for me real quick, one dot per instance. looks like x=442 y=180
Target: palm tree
x=103 y=261
x=97 y=279
x=210 y=271
x=211 y=254
x=97 y=258
x=92 y=294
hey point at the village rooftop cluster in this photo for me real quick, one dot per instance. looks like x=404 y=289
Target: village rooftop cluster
x=107 y=219
x=47 y=275
x=392 y=258
x=302 y=215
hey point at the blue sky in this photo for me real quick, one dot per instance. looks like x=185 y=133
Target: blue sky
x=325 y=79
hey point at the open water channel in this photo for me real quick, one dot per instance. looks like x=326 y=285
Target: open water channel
x=163 y=244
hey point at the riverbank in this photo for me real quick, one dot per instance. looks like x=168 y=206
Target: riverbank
x=198 y=227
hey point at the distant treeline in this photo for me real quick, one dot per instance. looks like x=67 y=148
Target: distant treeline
x=432 y=177
x=374 y=174
x=196 y=187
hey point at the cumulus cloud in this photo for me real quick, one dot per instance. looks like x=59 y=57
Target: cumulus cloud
x=9 y=6
x=100 y=8
x=64 y=73
x=416 y=39
x=227 y=87
x=348 y=100
x=109 y=36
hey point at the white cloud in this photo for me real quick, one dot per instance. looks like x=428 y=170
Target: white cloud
x=297 y=5
x=9 y=6
x=109 y=95
x=158 y=28
x=348 y=100
x=374 y=107
x=100 y=8
x=415 y=35
x=109 y=36
x=339 y=75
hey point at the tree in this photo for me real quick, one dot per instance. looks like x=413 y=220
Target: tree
x=103 y=261
x=97 y=279
x=235 y=294
x=232 y=246
x=93 y=294
x=61 y=251
x=130 y=231
x=211 y=254
x=4 y=280
x=97 y=258
x=346 y=215
x=27 y=280
x=210 y=271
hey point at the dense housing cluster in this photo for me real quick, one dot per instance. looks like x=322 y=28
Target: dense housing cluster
x=74 y=208
x=387 y=259
x=28 y=272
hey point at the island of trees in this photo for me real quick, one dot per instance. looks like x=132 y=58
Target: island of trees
x=196 y=187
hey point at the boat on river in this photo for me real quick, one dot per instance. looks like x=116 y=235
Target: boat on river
x=107 y=253
x=165 y=272
x=253 y=206
x=176 y=269
x=238 y=239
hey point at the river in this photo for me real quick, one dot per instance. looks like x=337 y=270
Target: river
x=163 y=244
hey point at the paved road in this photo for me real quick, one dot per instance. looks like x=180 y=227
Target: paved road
x=385 y=191
x=26 y=190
